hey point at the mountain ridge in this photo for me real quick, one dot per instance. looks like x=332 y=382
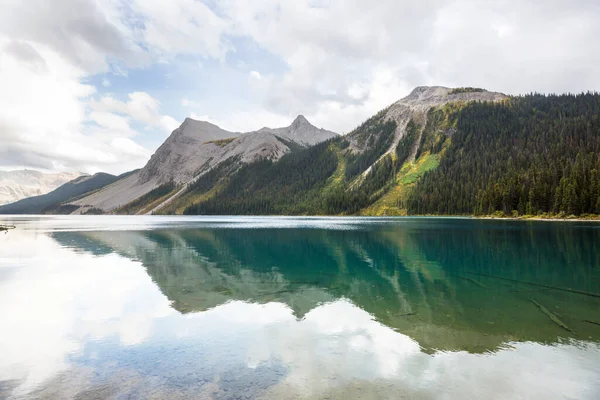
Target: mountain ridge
x=196 y=147
x=415 y=107
x=438 y=150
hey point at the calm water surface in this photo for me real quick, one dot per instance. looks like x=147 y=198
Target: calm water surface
x=294 y=308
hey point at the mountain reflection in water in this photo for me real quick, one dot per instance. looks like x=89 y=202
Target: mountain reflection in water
x=450 y=289
x=281 y=308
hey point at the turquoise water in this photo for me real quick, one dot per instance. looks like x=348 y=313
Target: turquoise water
x=278 y=308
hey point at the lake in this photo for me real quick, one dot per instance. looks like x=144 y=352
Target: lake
x=96 y=307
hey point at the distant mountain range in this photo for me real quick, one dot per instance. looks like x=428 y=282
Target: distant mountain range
x=17 y=185
x=440 y=150
x=53 y=202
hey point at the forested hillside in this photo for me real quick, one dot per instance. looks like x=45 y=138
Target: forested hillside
x=315 y=181
x=293 y=185
x=531 y=155
x=527 y=155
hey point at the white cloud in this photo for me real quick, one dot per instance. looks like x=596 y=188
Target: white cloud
x=141 y=107
x=112 y=122
x=343 y=60
x=185 y=26
x=336 y=51
x=45 y=120
x=128 y=146
x=169 y=123
x=86 y=33
x=47 y=51
x=35 y=98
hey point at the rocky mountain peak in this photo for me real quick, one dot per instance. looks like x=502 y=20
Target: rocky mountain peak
x=436 y=95
x=198 y=146
x=202 y=130
x=303 y=132
x=299 y=122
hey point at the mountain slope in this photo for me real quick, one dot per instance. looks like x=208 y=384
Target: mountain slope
x=415 y=108
x=74 y=188
x=195 y=148
x=17 y=185
x=344 y=175
x=536 y=155
x=302 y=132
x=187 y=150
x=438 y=151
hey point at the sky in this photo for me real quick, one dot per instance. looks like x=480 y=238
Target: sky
x=98 y=85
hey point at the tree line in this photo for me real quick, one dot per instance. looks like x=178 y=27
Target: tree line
x=531 y=155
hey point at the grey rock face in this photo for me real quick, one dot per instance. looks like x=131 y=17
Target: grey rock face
x=198 y=146
x=302 y=132
x=187 y=149
x=415 y=106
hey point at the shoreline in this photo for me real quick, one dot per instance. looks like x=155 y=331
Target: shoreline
x=594 y=218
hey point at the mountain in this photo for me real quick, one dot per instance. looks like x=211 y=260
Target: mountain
x=345 y=175
x=17 y=185
x=440 y=150
x=192 y=150
x=533 y=155
x=51 y=202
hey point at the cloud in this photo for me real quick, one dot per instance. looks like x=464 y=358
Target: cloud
x=339 y=52
x=335 y=61
x=48 y=119
x=27 y=54
x=48 y=53
x=128 y=146
x=85 y=32
x=141 y=107
x=184 y=27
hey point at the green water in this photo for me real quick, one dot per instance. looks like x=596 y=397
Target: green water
x=299 y=308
